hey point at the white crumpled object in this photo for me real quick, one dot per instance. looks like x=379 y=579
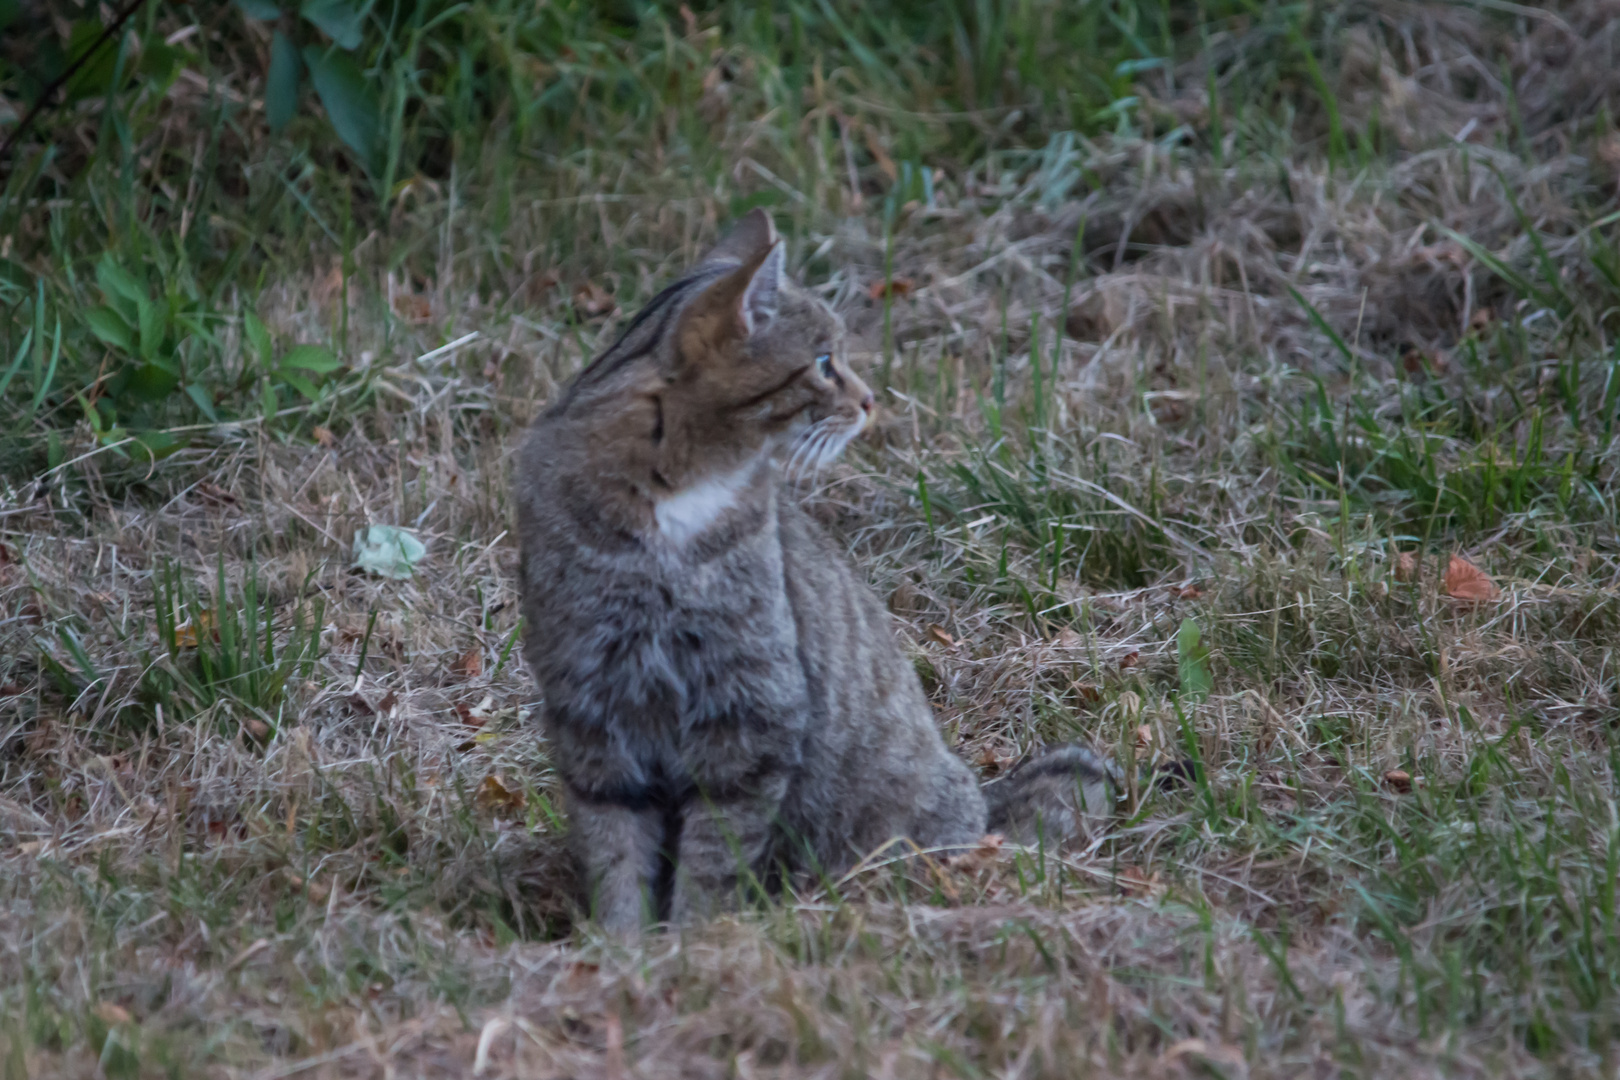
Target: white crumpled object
x=388 y=551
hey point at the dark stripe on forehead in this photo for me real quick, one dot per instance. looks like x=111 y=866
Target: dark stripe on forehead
x=643 y=335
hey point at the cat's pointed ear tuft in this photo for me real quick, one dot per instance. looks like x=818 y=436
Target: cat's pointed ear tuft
x=748 y=239
x=738 y=305
x=760 y=298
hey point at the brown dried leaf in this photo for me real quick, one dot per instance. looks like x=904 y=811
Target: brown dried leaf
x=592 y=301
x=1481 y=319
x=186 y=634
x=497 y=798
x=1406 y=566
x=985 y=853
x=936 y=633
x=213 y=493
x=1399 y=779
x=469 y=665
x=1068 y=638
x=324 y=436
x=1190 y=592
x=113 y=1015
x=1087 y=693
x=256 y=728
x=894 y=288
x=1130 y=659
x=413 y=307
x=1466 y=582
x=1144 y=739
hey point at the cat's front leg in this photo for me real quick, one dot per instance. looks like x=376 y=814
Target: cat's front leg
x=618 y=849
x=724 y=839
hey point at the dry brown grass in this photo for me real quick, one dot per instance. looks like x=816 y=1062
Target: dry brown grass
x=334 y=896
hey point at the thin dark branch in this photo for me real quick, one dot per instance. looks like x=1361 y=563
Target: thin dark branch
x=44 y=100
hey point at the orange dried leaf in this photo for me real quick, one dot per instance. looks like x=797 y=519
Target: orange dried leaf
x=497 y=798
x=591 y=300
x=112 y=1015
x=412 y=307
x=1468 y=583
x=937 y=634
x=1399 y=779
x=469 y=665
x=1406 y=566
x=1144 y=738
x=894 y=288
x=1130 y=659
x=1087 y=693
x=324 y=436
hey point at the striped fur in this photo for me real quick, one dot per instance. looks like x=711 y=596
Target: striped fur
x=724 y=696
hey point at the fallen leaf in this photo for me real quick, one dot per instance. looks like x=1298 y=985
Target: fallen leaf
x=12 y=689
x=592 y=301
x=256 y=728
x=1189 y=592
x=1211 y=1053
x=388 y=702
x=113 y=1015
x=937 y=634
x=360 y=705
x=1466 y=582
x=315 y=890
x=469 y=665
x=1399 y=779
x=985 y=853
x=388 y=551
x=497 y=798
x=1144 y=739
x=1481 y=319
x=1406 y=566
x=186 y=634
x=1067 y=638
x=1133 y=880
x=324 y=436
x=1130 y=659
x=412 y=307
x=1087 y=693
x=894 y=288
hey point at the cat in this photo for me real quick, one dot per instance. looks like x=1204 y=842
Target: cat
x=723 y=694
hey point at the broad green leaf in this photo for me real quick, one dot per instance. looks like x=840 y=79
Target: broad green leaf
x=281 y=86
x=311 y=358
x=203 y=402
x=387 y=551
x=110 y=327
x=300 y=384
x=349 y=102
x=259 y=9
x=258 y=337
x=159 y=444
x=339 y=20
x=120 y=287
x=268 y=406
x=1193 y=662
x=152 y=323
x=97 y=73
x=151 y=382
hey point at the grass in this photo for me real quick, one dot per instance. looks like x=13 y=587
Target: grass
x=1206 y=335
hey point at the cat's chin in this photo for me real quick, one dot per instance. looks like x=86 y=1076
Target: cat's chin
x=817 y=445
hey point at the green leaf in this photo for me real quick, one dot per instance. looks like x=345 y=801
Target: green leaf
x=259 y=9
x=1193 y=662
x=153 y=322
x=110 y=327
x=311 y=358
x=339 y=20
x=151 y=382
x=119 y=284
x=281 y=86
x=97 y=73
x=300 y=384
x=258 y=337
x=349 y=102
x=204 y=403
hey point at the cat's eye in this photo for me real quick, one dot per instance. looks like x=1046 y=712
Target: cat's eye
x=824 y=365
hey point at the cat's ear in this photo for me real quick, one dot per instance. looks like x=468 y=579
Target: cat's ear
x=748 y=239
x=734 y=308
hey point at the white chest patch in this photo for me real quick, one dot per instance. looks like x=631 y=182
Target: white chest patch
x=688 y=514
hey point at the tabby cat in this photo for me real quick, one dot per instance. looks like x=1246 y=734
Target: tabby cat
x=723 y=693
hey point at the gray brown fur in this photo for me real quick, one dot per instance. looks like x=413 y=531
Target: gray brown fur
x=722 y=692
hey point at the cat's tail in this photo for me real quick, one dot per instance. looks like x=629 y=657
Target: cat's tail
x=1067 y=793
